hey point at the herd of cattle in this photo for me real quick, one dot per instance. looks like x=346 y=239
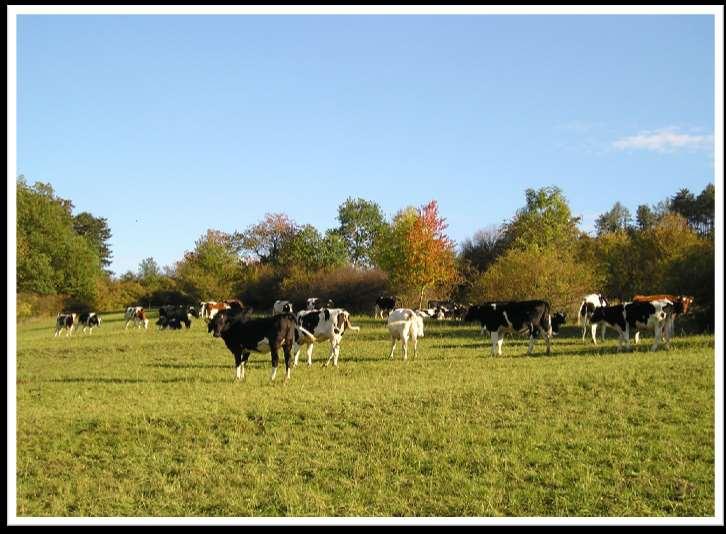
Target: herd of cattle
x=290 y=332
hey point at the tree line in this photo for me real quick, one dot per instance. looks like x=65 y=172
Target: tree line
x=540 y=252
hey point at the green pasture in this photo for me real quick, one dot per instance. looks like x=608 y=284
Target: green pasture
x=151 y=423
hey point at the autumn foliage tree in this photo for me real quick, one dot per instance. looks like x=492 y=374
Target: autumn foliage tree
x=416 y=252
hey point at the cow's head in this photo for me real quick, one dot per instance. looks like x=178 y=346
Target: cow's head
x=685 y=303
x=191 y=310
x=557 y=320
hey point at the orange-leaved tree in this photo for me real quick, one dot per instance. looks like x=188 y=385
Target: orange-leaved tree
x=416 y=252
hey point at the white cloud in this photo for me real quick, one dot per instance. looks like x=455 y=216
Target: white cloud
x=664 y=140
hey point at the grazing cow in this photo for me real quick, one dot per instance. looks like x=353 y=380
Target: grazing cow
x=324 y=324
x=243 y=336
x=65 y=320
x=210 y=308
x=587 y=307
x=523 y=317
x=384 y=304
x=89 y=320
x=314 y=303
x=172 y=316
x=281 y=306
x=137 y=315
x=405 y=324
x=681 y=303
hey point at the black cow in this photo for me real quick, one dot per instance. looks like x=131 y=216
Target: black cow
x=89 y=320
x=528 y=317
x=384 y=304
x=243 y=335
x=173 y=316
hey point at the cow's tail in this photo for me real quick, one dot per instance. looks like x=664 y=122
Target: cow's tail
x=308 y=337
x=350 y=326
x=580 y=313
x=547 y=319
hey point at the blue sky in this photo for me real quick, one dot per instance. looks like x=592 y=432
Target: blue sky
x=169 y=125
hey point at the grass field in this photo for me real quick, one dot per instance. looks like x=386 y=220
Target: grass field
x=134 y=423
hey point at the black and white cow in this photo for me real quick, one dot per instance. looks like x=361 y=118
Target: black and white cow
x=65 y=320
x=325 y=324
x=525 y=317
x=655 y=316
x=635 y=316
x=171 y=316
x=243 y=336
x=89 y=320
x=587 y=307
x=314 y=303
x=137 y=315
x=282 y=306
x=385 y=304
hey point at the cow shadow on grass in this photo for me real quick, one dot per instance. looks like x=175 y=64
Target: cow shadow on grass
x=186 y=365
x=105 y=380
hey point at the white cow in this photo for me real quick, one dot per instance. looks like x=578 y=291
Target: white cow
x=136 y=314
x=589 y=304
x=282 y=306
x=325 y=324
x=405 y=324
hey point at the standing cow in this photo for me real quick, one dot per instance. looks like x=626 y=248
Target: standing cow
x=587 y=307
x=322 y=325
x=89 y=320
x=385 y=304
x=527 y=317
x=243 y=335
x=65 y=321
x=137 y=315
x=405 y=324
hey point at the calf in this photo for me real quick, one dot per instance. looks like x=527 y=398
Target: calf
x=523 y=317
x=65 y=320
x=243 y=336
x=137 y=315
x=325 y=324
x=384 y=304
x=587 y=307
x=281 y=306
x=405 y=324
x=89 y=320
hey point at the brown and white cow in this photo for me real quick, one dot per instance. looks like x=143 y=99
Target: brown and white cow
x=137 y=315
x=210 y=308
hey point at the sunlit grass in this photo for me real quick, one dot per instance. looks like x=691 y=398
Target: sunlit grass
x=150 y=423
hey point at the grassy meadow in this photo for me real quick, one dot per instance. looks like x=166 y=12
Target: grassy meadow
x=151 y=423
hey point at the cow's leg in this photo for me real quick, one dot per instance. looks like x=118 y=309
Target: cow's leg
x=637 y=336
x=500 y=341
x=627 y=336
x=531 y=343
x=275 y=360
x=495 y=335
x=548 y=339
x=286 y=353
x=336 y=353
x=405 y=347
x=593 y=332
x=393 y=347
x=602 y=335
x=657 y=331
x=584 y=328
x=415 y=346
x=310 y=353
x=57 y=331
x=239 y=366
x=297 y=353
